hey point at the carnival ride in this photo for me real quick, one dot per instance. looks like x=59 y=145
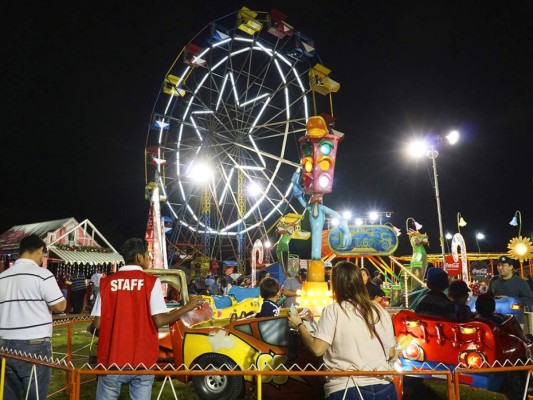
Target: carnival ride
x=240 y=344
x=222 y=145
x=440 y=344
x=234 y=123
x=211 y=337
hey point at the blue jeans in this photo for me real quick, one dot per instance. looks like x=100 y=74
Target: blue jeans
x=370 y=392
x=109 y=386
x=18 y=372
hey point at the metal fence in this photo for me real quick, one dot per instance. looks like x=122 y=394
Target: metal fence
x=74 y=375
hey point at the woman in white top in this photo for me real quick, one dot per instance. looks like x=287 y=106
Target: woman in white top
x=354 y=333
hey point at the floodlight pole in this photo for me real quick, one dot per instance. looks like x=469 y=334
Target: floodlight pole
x=433 y=155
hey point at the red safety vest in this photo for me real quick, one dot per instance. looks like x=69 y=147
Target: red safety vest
x=128 y=334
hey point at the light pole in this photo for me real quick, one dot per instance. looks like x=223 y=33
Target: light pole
x=433 y=154
x=429 y=148
x=517 y=221
x=460 y=222
x=449 y=237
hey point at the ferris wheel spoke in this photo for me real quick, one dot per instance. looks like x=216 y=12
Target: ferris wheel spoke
x=274 y=202
x=282 y=160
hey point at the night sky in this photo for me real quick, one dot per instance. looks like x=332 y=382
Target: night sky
x=80 y=79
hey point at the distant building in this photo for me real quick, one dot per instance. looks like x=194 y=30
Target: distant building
x=74 y=249
x=71 y=246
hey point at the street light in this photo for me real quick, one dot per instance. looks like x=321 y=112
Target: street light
x=373 y=216
x=479 y=236
x=517 y=221
x=429 y=148
x=449 y=237
x=416 y=224
x=460 y=222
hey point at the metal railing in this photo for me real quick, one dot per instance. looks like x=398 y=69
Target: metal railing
x=74 y=381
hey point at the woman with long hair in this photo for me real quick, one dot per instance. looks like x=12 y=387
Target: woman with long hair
x=354 y=333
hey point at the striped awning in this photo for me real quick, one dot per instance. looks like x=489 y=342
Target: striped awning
x=85 y=257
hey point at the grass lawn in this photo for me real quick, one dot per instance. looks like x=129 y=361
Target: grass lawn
x=437 y=390
x=81 y=350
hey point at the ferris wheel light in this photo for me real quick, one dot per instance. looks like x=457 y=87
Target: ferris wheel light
x=267 y=244
x=200 y=172
x=241 y=39
x=280 y=72
x=234 y=88
x=358 y=221
x=222 y=90
x=254 y=100
x=334 y=222
x=346 y=214
x=223 y=41
x=254 y=189
x=287 y=62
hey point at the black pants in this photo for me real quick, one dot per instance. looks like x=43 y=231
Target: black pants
x=78 y=297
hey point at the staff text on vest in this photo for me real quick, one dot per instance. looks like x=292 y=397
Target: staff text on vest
x=126 y=284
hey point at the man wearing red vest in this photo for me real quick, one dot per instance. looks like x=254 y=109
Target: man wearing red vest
x=128 y=312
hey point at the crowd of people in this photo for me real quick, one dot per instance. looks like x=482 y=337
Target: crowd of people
x=131 y=297
x=453 y=304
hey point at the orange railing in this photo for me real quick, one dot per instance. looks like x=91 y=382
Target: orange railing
x=73 y=375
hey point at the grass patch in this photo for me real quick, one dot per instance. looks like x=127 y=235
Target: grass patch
x=438 y=390
x=81 y=351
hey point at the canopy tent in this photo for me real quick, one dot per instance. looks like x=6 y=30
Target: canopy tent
x=68 y=241
x=9 y=240
x=85 y=257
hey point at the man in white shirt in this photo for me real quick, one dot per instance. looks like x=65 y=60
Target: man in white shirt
x=28 y=294
x=95 y=285
x=292 y=285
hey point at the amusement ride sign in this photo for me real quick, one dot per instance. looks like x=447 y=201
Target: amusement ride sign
x=379 y=240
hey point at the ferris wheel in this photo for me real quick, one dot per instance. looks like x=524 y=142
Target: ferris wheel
x=222 y=145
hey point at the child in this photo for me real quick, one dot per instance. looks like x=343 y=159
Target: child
x=270 y=291
x=458 y=293
x=485 y=308
x=173 y=296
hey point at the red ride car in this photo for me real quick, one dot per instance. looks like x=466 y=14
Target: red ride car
x=435 y=343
